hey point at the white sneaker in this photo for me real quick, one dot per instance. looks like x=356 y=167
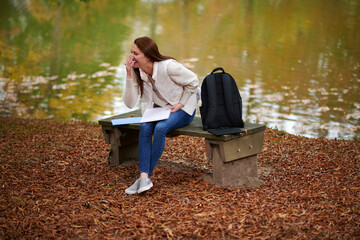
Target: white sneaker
x=145 y=184
x=133 y=189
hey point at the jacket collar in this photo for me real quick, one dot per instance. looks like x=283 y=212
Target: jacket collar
x=143 y=76
x=155 y=70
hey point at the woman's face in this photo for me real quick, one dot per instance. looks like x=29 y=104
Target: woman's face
x=138 y=56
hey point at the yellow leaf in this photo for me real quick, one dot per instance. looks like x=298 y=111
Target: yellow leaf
x=201 y=215
x=76 y=226
x=97 y=222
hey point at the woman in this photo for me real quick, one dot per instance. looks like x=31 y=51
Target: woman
x=160 y=81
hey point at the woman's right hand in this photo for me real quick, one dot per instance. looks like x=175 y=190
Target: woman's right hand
x=130 y=66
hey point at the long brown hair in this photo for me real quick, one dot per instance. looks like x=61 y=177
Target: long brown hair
x=151 y=51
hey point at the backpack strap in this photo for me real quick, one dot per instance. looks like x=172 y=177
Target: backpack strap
x=212 y=101
x=228 y=99
x=217 y=69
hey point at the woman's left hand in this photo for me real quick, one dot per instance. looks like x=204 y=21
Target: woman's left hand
x=176 y=107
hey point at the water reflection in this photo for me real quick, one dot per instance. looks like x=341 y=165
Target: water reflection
x=297 y=64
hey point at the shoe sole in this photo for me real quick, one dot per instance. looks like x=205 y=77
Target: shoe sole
x=130 y=192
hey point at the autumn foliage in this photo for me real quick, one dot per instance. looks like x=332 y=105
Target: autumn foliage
x=55 y=184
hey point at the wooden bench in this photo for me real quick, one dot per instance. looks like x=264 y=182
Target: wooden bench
x=234 y=156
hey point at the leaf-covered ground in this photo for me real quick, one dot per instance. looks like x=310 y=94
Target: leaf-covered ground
x=55 y=184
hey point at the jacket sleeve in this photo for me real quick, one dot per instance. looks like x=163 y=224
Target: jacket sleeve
x=183 y=77
x=131 y=92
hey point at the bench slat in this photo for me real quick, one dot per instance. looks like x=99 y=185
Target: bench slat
x=194 y=129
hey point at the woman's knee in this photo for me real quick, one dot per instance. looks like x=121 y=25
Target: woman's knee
x=146 y=128
x=161 y=128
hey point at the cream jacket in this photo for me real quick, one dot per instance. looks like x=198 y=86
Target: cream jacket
x=173 y=82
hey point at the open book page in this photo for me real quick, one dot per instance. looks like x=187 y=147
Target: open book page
x=155 y=114
x=150 y=115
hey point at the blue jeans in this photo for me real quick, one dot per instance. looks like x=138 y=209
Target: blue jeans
x=151 y=148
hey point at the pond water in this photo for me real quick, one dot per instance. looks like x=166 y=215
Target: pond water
x=296 y=63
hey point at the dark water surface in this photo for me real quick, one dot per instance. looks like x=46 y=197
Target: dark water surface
x=296 y=63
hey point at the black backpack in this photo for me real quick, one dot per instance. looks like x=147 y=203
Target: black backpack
x=221 y=109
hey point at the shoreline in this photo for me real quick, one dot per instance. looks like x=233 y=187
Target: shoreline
x=351 y=138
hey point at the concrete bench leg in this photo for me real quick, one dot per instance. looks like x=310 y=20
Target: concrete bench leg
x=235 y=161
x=124 y=145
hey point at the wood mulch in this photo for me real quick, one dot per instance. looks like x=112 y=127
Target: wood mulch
x=55 y=184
